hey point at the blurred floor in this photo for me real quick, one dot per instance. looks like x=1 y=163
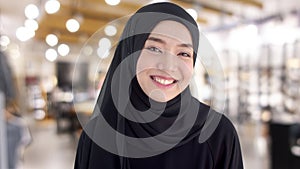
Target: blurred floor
x=255 y=145
x=50 y=150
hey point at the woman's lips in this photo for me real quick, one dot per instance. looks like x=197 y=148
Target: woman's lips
x=162 y=81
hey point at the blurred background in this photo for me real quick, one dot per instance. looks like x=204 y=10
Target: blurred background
x=43 y=42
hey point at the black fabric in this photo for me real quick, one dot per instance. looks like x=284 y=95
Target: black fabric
x=121 y=82
x=220 y=151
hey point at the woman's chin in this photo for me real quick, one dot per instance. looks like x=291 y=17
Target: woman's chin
x=159 y=96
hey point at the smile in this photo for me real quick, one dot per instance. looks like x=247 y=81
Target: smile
x=163 y=80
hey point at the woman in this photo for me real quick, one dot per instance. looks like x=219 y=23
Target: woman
x=145 y=116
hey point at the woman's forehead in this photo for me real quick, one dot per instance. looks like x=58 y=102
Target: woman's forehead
x=173 y=29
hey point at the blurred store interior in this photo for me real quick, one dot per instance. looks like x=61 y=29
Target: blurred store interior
x=57 y=53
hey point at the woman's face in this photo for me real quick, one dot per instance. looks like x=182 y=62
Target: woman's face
x=165 y=66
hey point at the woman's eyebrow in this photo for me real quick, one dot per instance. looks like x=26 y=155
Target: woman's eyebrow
x=151 y=38
x=156 y=40
x=186 y=45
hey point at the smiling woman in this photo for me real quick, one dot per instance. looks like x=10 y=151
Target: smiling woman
x=145 y=116
x=165 y=66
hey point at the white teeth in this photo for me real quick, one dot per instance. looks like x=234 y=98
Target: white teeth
x=163 y=81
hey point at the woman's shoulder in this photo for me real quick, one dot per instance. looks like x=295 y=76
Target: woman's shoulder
x=216 y=124
x=224 y=145
x=226 y=124
x=224 y=138
x=225 y=129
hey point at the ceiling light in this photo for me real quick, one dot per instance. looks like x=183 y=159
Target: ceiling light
x=63 y=49
x=31 y=11
x=51 y=55
x=110 y=30
x=39 y=114
x=52 y=6
x=72 y=25
x=104 y=42
x=112 y=2
x=104 y=46
x=51 y=40
x=4 y=40
x=24 y=33
x=193 y=13
x=31 y=24
x=102 y=54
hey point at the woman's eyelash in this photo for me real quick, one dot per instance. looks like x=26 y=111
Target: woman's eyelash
x=154 y=49
x=184 y=54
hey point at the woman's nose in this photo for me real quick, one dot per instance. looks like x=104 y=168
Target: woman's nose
x=169 y=62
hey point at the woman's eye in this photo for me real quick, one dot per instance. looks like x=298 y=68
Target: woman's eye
x=184 y=54
x=154 y=49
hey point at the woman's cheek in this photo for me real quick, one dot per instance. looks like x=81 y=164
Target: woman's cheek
x=145 y=61
x=187 y=69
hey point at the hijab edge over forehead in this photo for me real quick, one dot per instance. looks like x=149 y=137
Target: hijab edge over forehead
x=168 y=8
x=145 y=19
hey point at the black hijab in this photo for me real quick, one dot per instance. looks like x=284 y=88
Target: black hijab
x=126 y=122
